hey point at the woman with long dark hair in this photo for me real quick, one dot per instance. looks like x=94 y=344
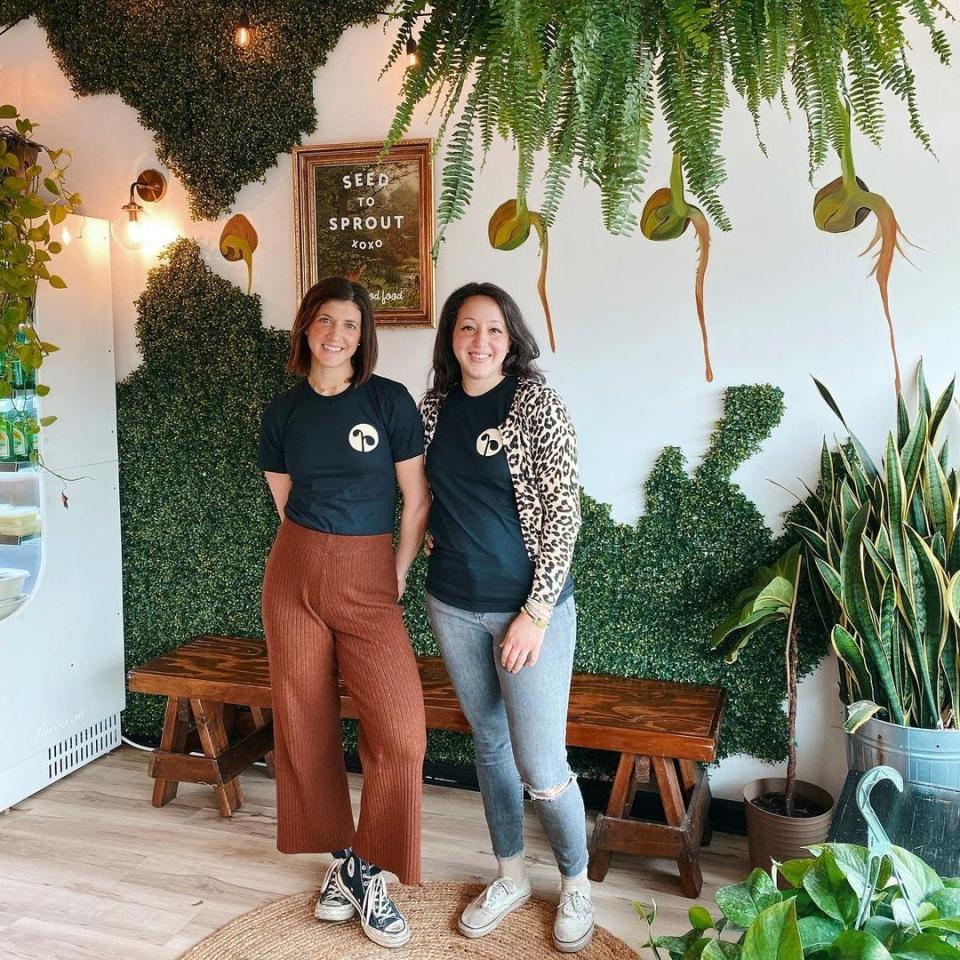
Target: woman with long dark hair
x=333 y=449
x=501 y=459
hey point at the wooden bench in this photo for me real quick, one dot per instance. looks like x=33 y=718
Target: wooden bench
x=658 y=728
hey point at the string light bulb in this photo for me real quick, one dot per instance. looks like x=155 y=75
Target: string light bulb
x=412 y=58
x=244 y=33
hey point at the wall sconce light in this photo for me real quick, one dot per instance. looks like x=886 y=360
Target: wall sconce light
x=412 y=58
x=243 y=33
x=150 y=186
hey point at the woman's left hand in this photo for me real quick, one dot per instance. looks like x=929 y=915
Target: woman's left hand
x=520 y=646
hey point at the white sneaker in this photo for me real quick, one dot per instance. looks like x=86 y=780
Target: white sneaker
x=482 y=914
x=573 y=926
x=332 y=905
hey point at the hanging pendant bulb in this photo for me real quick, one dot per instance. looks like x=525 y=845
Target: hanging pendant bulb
x=243 y=35
x=412 y=58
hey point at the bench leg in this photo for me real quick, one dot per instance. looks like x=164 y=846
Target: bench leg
x=620 y=795
x=176 y=726
x=208 y=717
x=261 y=717
x=675 y=811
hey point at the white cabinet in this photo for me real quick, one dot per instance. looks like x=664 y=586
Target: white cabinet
x=61 y=652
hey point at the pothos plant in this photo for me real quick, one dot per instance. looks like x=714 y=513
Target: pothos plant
x=582 y=80
x=33 y=199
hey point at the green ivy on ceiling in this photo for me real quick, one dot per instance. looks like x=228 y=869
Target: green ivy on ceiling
x=198 y=521
x=582 y=79
x=220 y=115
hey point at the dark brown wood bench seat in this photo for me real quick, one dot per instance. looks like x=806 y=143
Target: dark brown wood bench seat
x=658 y=728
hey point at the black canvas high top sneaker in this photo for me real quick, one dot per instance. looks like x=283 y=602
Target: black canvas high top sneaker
x=363 y=884
x=332 y=905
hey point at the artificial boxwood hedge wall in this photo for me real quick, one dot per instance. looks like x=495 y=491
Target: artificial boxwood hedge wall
x=198 y=520
x=219 y=115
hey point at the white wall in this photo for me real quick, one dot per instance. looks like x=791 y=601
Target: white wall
x=784 y=301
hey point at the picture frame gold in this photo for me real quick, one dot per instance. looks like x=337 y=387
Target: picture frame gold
x=369 y=219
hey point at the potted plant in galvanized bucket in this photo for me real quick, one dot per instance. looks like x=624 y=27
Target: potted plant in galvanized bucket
x=784 y=815
x=884 y=563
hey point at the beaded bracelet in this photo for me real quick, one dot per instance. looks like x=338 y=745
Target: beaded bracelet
x=535 y=616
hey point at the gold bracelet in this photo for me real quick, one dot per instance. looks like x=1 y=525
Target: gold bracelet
x=538 y=621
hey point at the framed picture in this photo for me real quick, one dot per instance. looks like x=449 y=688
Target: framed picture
x=370 y=220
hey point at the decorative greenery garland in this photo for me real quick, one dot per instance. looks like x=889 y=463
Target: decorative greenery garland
x=198 y=522
x=582 y=79
x=220 y=114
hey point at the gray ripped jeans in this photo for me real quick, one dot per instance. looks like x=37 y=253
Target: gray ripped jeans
x=519 y=723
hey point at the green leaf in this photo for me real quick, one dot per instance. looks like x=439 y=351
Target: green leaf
x=774 y=935
x=859 y=713
x=42 y=389
x=721 y=950
x=850 y=654
x=57 y=283
x=858 y=945
x=8 y=111
x=818 y=933
x=796 y=870
x=919 y=881
x=946 y=902
x=700 y=918
x=926 y=946
x=741 y=903
x=46 y=421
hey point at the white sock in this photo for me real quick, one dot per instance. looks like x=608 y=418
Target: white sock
x=514 y=868
x=577 y=882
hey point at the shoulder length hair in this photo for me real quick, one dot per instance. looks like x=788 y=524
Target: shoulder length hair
x=334 y=288
x=520 y=358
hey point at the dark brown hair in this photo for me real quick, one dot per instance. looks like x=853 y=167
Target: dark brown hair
x=519 y=361
x=334 y=288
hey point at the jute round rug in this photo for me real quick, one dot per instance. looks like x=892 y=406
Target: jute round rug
x=287 y=930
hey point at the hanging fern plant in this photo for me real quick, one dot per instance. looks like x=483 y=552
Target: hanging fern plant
x=581 y=80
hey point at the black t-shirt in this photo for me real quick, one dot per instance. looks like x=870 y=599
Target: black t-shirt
x=478 y=561
x=340 y=453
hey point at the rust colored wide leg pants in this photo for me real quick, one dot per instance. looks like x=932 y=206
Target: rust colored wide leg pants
x=329 y=604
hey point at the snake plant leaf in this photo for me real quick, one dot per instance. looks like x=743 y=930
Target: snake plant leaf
x=923 y=391
x=940 y=409
x=665 y=216
x=508 y=227
x=830 y=577
x=854 y=598
x=851 y=656
x=936 y=494
x=859 y=713
x=238 y=240
x=866 y=461
x=911 y=454
x=929 y=642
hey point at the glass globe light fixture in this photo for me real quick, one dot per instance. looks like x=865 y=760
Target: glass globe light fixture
x=130 y=230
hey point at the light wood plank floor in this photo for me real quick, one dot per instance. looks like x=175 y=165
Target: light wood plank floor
x=89 y=870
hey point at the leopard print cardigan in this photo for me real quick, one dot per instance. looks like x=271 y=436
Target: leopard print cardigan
x=541 y=450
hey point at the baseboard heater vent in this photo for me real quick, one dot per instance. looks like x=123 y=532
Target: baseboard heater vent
x=82 y=747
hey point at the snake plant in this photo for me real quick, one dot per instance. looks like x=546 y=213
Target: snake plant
x=883 y=558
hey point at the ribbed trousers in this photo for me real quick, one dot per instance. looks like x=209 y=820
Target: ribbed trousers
x=329 y=605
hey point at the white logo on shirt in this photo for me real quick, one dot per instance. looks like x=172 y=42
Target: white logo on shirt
x=364 y=438
x=490 y=442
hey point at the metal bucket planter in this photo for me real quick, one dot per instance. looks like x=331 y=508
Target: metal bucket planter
x=771 y=836
x=921 y=756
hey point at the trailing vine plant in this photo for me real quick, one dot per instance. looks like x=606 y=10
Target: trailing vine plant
x=582 y=80
x=33 y=199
